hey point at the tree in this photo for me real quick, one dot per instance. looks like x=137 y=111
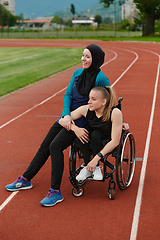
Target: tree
x=56 y=19
x=149 y=9
x=125 y=23
x=72 y=9
x=107 y=20
x=98 y=19
x=107 y=3
x=6 y=18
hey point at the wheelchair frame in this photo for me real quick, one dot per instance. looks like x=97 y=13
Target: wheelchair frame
x=124 y=155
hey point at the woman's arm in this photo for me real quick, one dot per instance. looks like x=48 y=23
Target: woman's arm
x=67 y=101
x=68 y=97
x=76 y=114
x=81 y=133
x=116 y=132
x=67 y=104
x=79 y=112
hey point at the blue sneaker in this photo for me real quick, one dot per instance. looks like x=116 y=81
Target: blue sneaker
x=19 y=184
x=52 y=198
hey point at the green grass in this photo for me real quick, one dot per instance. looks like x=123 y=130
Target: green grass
x=97 y=35
x=134 y=38
x=124 y=38
x=22 y=66
x=68 y=34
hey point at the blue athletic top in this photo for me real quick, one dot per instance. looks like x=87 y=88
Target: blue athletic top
x=73 y=100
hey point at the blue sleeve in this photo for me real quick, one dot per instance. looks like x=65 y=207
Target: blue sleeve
x=102 y=80
x=69 y=93
x=68 y=97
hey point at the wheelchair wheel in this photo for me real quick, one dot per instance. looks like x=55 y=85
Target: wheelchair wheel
x=75 y=163
x=77 y=192
x=111 y=193
x=111 y=188
x=125 y=161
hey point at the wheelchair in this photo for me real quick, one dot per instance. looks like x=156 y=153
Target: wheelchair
x=123 y=156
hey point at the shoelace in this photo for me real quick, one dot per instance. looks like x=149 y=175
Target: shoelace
x=51 y=193
x=98 y=167
x=19 y=178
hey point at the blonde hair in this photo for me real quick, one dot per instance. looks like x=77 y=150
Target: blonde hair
x=108 y=94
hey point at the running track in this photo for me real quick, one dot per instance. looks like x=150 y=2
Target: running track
x=26 y=116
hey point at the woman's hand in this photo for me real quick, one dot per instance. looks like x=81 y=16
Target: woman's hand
x=67 y=120
x=81 y=133
x=93 y=163
x=125 y=126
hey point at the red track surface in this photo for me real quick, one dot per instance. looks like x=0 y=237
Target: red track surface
x=92 y=216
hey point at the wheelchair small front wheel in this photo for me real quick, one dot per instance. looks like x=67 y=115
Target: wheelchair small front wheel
x=77 y=192
x=111 y=193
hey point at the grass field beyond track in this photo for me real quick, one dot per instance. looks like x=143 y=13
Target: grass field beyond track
x=22 y=66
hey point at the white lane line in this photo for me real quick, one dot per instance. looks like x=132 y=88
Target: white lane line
x=128 y=66
x=135 y=222
x=112 y=59
x=17 y=59
x=13 y=119
x=12 y=195
x=8 y=200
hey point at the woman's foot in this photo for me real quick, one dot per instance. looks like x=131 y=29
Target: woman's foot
x=20 y=184
x=84 y=173
x=97 y=174
x=53 y=197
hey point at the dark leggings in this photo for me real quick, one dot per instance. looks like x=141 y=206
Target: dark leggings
x=93 y=146
x=57 y=139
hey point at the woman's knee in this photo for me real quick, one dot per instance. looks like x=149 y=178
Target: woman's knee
x=53 y=145
x=58 y=145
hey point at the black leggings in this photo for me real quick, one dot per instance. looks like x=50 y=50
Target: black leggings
x=57 y=139
x=93 y=146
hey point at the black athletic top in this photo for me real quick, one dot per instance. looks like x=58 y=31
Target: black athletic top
x=96 y=123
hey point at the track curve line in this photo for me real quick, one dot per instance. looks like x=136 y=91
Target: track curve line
x=136 y=58
x=112 y=59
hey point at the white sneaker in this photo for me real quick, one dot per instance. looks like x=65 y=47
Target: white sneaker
x=97 y=174
x=84 y=173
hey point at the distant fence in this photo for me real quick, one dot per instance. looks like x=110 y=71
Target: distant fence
x=66 y=34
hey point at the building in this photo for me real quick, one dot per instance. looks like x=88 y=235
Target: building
x=85 y=21
x=9 y=5
x=37 y=22
x=129 y=11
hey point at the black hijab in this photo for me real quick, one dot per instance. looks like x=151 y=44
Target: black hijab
x=87 y=78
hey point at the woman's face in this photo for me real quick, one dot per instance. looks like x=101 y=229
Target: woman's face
x=86 y=58
x=96 y=101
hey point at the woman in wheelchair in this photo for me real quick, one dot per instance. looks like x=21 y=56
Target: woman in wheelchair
x=104 y=122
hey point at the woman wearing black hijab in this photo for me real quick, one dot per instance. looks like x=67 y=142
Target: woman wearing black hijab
x=82 y=81
x=58 y=137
